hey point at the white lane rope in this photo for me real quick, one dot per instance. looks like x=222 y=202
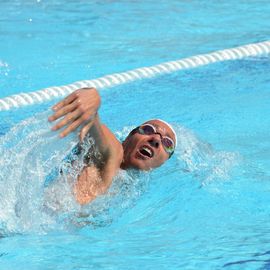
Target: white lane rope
x=23 y=99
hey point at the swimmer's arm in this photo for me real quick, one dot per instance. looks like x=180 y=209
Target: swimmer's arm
x=110 y=148
x=95 y=180
x=105 y=140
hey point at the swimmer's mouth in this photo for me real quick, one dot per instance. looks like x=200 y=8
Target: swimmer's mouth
x=146 y=151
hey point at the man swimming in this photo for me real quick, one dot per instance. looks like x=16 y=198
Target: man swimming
x=147 y=146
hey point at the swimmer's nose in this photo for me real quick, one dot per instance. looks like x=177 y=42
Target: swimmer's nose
x=154 y=141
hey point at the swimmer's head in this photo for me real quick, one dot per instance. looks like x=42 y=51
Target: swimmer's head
x=149 y=145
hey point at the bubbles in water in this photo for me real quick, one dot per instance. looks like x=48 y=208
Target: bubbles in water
x=3 y=64
x=121 y=135
x=37 y=175
x=38 y=171
x=4 y=68
x=29 y=151
x=200 y=159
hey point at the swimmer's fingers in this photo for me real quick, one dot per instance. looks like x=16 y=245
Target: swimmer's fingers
x=63 y=111
x=72 y=121
x=70 y=128
x=65 y=101
x=70 y=117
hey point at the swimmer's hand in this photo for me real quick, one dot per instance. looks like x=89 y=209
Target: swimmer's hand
x=79 y=108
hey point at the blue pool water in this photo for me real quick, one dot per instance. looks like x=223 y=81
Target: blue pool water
x=207 y=207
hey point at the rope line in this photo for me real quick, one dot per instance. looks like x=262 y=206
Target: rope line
x=23 y=99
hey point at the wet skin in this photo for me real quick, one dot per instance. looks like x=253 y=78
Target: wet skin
x=134 y=145
x=138 y=151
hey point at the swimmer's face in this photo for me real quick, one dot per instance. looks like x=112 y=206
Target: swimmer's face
x=144 y=151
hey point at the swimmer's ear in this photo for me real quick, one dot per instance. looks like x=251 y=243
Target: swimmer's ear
x=85 y=130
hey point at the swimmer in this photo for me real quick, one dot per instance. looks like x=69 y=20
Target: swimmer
x=147 y=146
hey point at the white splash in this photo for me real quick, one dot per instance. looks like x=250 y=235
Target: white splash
x=3 y=64
x=200 y=159
x=29 y=151
x=35 y=196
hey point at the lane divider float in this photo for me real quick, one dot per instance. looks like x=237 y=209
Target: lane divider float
x=47 y=94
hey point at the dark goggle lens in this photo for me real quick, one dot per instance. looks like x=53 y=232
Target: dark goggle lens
x=168 y=144
x=147 y=130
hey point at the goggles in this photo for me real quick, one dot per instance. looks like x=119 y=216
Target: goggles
x=148 y=129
